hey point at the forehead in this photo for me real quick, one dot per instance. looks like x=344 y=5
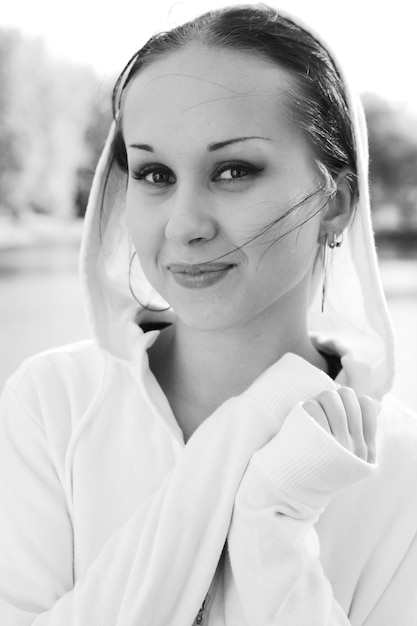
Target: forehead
x=207 y=90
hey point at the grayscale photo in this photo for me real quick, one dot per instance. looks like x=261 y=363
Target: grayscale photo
x=208 y=305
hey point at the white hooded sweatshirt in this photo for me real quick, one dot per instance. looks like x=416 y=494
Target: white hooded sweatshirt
x=109 y=518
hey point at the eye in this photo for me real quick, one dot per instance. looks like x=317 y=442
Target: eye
x=156 y=175
x=231 y=172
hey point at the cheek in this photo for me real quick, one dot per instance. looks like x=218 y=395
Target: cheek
x=286 y=256
x=144 y=232
x=272 y=213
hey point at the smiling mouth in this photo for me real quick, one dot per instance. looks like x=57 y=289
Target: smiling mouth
x=199 y=275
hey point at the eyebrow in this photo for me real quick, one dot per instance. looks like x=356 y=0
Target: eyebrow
x=142 y=146
x=221 y=144
x=212 y=147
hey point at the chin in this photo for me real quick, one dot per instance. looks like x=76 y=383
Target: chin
x=215 y=324
x=205 y=320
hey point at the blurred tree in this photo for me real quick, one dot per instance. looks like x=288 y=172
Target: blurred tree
x=95 y=137
x=393 y=164
x=45 y=107
x=9 y=151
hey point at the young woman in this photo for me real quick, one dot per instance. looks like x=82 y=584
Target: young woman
x=214 y=456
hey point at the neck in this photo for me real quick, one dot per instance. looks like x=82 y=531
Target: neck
x=198 y=370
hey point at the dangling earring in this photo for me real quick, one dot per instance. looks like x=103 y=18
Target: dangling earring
x=144 y=306
x=334 y=243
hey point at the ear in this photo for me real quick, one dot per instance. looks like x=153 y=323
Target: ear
x=339 y=209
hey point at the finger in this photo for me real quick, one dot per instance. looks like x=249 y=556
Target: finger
x=314 y=409
x=370 y=409
x=354 y=421
x=333 y=407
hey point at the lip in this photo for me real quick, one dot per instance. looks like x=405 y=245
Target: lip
x=199 y=275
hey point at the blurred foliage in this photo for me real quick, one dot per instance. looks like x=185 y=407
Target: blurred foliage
x=95 y=134
x=393 y=165
x=54 y=118
x=45 y=109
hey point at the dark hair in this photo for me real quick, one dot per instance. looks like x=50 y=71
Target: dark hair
x=317 y=104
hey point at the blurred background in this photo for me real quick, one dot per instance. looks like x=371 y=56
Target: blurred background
x=58 y=62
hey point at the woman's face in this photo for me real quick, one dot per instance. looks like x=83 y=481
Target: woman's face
x=214 y=159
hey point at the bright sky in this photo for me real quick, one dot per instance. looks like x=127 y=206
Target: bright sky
x=377 y=43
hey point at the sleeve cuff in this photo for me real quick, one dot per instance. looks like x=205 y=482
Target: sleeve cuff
x=290 y=380
x=306 y=463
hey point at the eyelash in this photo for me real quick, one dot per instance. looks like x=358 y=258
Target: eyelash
x=156 y=168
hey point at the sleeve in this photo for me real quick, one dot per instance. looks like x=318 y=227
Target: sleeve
x=156 y=569
x=274 y=550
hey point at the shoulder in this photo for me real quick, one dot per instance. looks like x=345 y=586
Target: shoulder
x=49 y=401
x=58 y=381
x=75 y=360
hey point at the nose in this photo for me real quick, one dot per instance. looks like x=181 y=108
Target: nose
x=190 y=218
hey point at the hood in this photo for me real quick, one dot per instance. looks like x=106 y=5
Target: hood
x=355 y=321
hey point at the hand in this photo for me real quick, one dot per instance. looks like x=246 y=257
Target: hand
x=349 y=418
